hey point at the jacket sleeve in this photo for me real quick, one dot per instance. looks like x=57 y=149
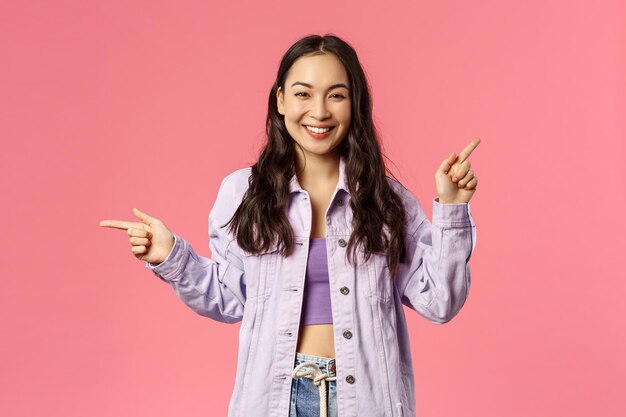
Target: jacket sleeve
x=216 y=287
x=435 y=279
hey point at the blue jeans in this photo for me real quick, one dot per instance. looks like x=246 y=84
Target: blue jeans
x=305 y=394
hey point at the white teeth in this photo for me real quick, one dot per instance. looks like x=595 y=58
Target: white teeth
x=318 y=130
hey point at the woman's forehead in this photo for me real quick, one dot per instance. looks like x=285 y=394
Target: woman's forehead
x=318 y=72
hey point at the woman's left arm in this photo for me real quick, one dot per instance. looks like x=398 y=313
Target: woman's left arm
x=435 y=279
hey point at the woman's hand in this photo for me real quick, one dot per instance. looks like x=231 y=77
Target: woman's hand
x=151 y=240
x=454 y=180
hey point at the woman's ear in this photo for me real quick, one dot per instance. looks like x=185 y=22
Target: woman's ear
x=280 y=101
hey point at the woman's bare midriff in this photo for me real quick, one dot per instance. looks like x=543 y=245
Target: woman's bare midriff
x=317 y=340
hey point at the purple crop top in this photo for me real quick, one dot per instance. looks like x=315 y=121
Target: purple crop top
x=316 y=305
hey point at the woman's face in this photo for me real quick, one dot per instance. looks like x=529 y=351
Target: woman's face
x=316 y=94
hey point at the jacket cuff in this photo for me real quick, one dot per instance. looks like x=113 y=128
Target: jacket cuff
x=173 y=262
x=451 y=215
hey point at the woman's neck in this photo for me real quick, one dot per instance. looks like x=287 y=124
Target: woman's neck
x=318 y=170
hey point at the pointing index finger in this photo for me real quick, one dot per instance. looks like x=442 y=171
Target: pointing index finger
x=468 y=150
x=119 y=224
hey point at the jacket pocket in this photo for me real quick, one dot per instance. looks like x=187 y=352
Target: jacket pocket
x=261 y=270
x=379 y=278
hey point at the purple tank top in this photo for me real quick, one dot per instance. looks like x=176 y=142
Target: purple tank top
x=316 y=305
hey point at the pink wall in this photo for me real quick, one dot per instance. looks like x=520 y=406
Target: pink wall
x=106 y=106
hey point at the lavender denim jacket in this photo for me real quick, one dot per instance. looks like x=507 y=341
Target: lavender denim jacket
x=264 y=292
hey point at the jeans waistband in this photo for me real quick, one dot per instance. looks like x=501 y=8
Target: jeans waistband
x=326 y=365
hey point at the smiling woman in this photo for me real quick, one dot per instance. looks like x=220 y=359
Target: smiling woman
x=315 y=250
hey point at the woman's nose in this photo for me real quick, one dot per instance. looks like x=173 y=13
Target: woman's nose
x=320 y=111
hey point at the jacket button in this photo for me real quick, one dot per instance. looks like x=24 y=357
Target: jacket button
x=344 y=290
x=347 y=334
x=350 y=379
x=342 y=243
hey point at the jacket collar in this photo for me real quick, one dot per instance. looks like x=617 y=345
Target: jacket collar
x=342 y=184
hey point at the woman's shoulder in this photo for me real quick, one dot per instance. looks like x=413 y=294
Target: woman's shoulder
x=238 y=175
x=236 y=181
x=412 y=206
x=231 y=190
x=400 y=189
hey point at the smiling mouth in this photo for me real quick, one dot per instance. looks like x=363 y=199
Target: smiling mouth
x=317 y=130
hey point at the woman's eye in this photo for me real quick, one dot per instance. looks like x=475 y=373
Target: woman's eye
x=301 y=94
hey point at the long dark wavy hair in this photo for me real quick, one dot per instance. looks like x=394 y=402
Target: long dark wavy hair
x=260 y=220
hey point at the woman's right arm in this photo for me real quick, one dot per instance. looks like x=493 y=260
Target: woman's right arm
x=215 y=287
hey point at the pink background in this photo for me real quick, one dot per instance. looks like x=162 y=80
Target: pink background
x=106 y=106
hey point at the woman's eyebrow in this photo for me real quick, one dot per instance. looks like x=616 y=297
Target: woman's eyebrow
x=337 y=85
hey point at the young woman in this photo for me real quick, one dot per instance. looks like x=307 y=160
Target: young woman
x=315 y=250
